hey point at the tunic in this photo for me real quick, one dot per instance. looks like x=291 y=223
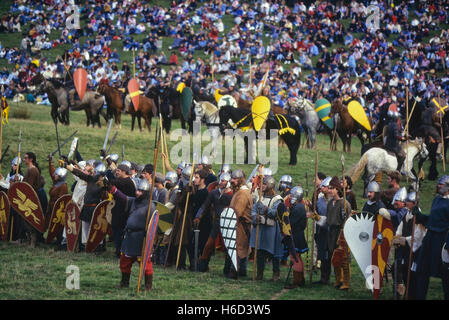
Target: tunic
x=242 y=203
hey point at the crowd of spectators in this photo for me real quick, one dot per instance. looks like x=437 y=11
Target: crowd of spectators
x=308 y=48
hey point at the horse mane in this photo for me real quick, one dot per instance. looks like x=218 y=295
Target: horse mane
x=208 y=107
x=56 y=83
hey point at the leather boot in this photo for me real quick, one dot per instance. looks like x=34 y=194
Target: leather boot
x=33 y=237
x=276 y=276
x=203 y=265
x=124 y=283
x=148 y=282
x=338 y=277
x=346 y=271
x=259 y=275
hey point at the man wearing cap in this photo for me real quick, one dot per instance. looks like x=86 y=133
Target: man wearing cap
x=57 y=190
x=120 y=178
x=216 y=201
x=242 y=203
x=430 y=263
x=137 y=211
x=338 y=210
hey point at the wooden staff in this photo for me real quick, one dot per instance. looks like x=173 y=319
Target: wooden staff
x=162 y=145
x=185 y=213
x=16 y=177
x=212 y=67
x=406 y=130
x=442 y=135
x=410 y=254
x=156 y=151
x=250 y=73
x=134 y=65
x=308 y=264
x=315 y=197
x=1 y=133
x=257 y=221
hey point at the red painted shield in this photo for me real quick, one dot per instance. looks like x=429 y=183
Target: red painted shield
x=98 y=226
x=80 y=79
x=57 y=220
x=24 y=200
x=72 y=225
x=380 y=248
x=4 y=215
x=133 y=88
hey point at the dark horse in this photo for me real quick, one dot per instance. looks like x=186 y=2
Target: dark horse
x=57 y=95
x=170 y=108
x=242 y=117
x=348 y=126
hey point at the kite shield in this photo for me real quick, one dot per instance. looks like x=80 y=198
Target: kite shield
x=57 y=220
x=260 y=110
x=358 y=114
x=228 y=226
x=98 y=227
x=25 y=201
x=72 y=225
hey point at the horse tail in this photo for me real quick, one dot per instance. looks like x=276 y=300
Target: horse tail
x=357 y=170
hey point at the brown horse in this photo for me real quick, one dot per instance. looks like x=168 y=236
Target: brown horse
x=147 y=109
x=348 y=125
x=114 y=100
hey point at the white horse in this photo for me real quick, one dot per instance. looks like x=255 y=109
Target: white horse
x=305 y=110
x=208 y=113
x=377 y=159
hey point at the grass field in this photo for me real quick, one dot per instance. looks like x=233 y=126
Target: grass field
x=41 y=273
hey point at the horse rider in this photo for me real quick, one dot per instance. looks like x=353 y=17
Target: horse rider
x=393 y=136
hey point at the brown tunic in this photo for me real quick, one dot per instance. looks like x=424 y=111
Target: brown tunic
x=32 y=177
x=242 y=203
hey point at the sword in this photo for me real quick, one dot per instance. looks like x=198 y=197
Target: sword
x=253 y=173
x=18 y=153
x=64 y=143
x=112 y=142
x=4 y=153
x=197 y=235
x=123 y=152
x=107 y=135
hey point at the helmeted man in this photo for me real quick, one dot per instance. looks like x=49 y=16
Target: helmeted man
x=269 y=238
x=206 y=164
x=322 y=230
x=402 y=240
x=93 y=196
x=57 y=190
x=217 y=199
x=436 y=240
x=298 y=223
x=393 y=136
x=242 y=203
x=159 y=193
x=374 y=204
x=285 y=185
x=119 y=177
x=131 y=249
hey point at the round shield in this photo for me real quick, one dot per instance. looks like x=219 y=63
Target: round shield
x=227 y=100
x=322 y=108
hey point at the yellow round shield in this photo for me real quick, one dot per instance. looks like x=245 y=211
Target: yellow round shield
x=358 y=114
x=260 y=110
x=180 y=87
x=217 y=95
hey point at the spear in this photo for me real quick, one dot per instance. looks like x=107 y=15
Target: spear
x=156 y=151
x=315 y=196
x=411 y=248
x=257 y=221
x=406 y=128
x=16 y=177
x=442 y=135
x=308 y=263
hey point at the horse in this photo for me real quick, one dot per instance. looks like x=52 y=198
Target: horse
x=170 y=106
x=245 y=104
x=310 y=121
x=92 y=104
x=57 y=95
x=208 y=113
x=147 y=109
x=348 y=125
x=288 y=128
x=114 y=101
x=379 y=160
